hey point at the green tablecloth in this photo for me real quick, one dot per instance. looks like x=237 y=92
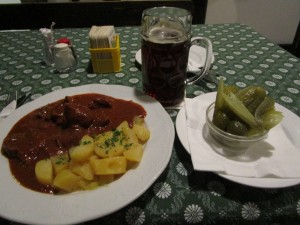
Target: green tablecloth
x=180 y=195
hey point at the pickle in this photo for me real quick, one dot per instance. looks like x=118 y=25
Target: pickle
x=266 y=105
x=260 y=95
x=220 y=104
x=220 y=119
x=237 y=127
x=244 y=112
x=255 y=131
x=251 y=97
x=230 y=88
x=246 y=95
x=240 y=109
x=217 y=116
x=219 y=99
x=271 y=119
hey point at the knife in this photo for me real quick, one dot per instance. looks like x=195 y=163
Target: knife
x=22 y=99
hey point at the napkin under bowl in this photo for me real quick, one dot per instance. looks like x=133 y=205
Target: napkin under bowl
x=275 y=156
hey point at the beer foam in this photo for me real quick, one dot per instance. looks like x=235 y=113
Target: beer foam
x=166 y=35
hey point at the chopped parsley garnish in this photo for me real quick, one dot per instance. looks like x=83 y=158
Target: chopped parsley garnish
x=118 y=138
x=61 y=160
x=85 y=142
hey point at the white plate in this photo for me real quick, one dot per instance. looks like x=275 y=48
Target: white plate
x=196 y=58
x=26 y=206
x=289 y=121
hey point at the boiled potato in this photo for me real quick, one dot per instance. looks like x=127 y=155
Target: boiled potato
x=84 y=150
x=138 y=120
x=88 y=185
x=44 y=171
x=130 y=135
x=83 y=169
x=109 y=144
x=142 y=132
x=83 y=184
x=92 y=185
x=60 y=162
x=134 y=153
x=95 y=161
x=66 y=180
x=114 y=165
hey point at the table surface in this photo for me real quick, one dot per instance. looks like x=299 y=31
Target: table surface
x=180 y=195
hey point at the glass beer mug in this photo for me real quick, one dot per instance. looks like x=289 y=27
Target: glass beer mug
x=166 y=40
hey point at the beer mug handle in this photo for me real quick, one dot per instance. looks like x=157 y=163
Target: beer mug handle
x=206 y=43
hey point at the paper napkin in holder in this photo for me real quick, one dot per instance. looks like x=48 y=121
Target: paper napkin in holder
x=105 y=49
x=274 y=157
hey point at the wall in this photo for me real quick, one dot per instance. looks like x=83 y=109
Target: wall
x=9 y=1
x=275 y=19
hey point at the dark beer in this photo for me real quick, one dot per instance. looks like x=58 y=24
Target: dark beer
x=164 y=63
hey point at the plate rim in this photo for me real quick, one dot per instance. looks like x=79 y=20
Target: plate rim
x=139 y=185
x=253 y=182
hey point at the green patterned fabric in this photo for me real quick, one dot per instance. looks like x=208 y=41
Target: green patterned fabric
x=180 y=195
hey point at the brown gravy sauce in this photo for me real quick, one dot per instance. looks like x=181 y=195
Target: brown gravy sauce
x=56 y=127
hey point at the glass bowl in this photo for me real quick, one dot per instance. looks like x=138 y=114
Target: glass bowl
x=233 y=144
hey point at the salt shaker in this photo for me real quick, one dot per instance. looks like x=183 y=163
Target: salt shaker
x=47 y=37
x=64 y=59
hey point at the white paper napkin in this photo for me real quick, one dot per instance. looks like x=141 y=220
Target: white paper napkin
x=274 y=157
x=8 y=109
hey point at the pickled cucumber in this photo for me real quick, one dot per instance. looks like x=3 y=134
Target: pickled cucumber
x=267 y=115
x=219 y=98
x=251 y=97
x=244 y=112
x=237 y=127
x=220 y=119
x=230 y=88
x=240 y=109
x=266 y=105
x=271 y=119
x=222 y=113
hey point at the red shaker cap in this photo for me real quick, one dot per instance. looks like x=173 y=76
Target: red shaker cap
x=64 y=40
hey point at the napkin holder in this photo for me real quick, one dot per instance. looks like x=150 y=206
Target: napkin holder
x=103 y=64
